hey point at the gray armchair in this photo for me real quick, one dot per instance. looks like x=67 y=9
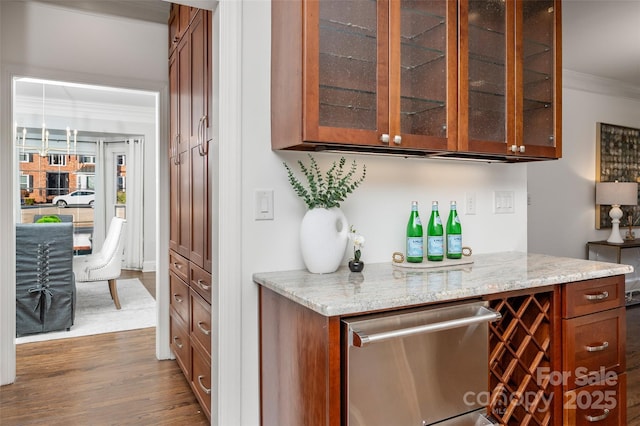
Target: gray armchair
x=45 y=283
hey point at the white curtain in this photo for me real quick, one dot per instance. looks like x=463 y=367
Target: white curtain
x=133 y=256
x=99 y=211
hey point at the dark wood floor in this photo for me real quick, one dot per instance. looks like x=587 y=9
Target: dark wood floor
x=105 y=379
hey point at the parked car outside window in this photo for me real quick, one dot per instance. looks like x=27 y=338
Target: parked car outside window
x=76 y=198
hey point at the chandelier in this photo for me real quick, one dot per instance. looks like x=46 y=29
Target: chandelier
x=43 y=148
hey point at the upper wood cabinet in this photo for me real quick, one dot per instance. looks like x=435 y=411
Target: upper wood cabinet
x=190 y=105
x=509 y=78
x=435 y=78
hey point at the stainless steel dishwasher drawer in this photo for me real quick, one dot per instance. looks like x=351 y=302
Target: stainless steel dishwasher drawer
x=418 y=367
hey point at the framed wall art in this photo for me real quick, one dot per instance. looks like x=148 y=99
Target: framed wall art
x=617 y=158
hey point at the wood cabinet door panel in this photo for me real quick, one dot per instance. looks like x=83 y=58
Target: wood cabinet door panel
x=594 y=344
x=201 y=379
x=179 y=266
x=179 y=297
x=180 y=344
x=599 y=404
x=201 y=329
x=592 y=296
x=201 y=282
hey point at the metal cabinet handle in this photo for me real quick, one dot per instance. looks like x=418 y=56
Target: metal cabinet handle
x=602 y=416
x=204 y=330
x=177 y=265
x=522 y=148
x=599 y=296
x=598 y=348
x=384 y=138
x=397 y=139
x=204 y=389
x=202 y=285
x=361 y=339
x=177 y=298
x=176 y=341
x=203 y=143
x=514 y=148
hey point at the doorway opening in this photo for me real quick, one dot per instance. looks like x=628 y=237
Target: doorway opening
x=81 y=152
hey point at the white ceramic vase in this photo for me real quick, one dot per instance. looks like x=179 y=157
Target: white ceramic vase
x=324 y=234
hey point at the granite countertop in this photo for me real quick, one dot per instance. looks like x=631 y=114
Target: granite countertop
x=385 y=286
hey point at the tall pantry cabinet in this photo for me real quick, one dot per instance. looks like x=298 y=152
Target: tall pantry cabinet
x=190 y=195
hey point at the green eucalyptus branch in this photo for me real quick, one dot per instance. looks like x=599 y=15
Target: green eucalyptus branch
x=326 y=189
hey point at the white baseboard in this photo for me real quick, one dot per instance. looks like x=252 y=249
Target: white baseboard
x=149 y=266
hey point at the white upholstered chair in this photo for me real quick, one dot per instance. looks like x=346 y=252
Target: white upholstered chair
x=106 y=264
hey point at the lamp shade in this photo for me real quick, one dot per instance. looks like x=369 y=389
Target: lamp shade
x=617 y=193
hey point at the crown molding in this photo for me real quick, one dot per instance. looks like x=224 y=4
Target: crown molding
x=594 y=84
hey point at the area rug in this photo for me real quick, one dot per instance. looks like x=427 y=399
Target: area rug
x=96 y=313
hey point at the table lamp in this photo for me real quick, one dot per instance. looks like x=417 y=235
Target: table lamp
x=616 y=194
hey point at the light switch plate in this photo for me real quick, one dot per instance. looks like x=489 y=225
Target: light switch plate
x=264 y=204
x=503 y=202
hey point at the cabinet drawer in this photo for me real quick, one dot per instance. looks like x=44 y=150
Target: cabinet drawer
x=201 y=282
x=180 y=344
x=179 y=298
x=592 y=296
x=201 y=379
x=201 y=329
x=179 y=265
x=593 y=343
x=600 y=404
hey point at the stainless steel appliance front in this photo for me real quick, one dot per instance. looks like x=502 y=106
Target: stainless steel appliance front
x=418 y=367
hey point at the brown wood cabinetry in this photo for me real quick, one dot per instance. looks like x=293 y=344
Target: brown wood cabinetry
x=545 y=336
x=594 y=363
x=436 y=78
x=190 y=195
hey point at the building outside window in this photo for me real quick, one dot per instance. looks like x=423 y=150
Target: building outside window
x=26 y=182
x=57 y=160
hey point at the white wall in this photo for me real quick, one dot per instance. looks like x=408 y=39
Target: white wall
x=379 y=209
x=562 y=193
x=50 y=42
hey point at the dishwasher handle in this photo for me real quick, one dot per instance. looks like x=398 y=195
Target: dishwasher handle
x=484 y=314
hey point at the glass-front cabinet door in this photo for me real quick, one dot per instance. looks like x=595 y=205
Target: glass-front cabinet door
x=509 y=84
x=423 y=90
x=538 y=64
x=486 y=56
x=381 y=73
x=346 y=71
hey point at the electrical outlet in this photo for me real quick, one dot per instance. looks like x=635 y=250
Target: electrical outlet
x=470 y=203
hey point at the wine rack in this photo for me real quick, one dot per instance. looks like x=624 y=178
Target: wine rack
x=521 y=359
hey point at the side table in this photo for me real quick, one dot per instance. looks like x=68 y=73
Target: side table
x=605 y=251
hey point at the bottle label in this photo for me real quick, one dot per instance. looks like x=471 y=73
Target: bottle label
x=454 y=244
x=415 y=247
x=435 y=246
x=456 y=219
x=417 y=221
x=438 y=221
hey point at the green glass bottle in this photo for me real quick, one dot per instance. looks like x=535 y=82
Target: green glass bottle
x=415 y=244
x=454 y=234
x=435 y=232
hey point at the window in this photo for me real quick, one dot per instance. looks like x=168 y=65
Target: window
x=26 y=182
x=87 y=159
x=58 y=160
x=120 y=160
x=26 y=157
